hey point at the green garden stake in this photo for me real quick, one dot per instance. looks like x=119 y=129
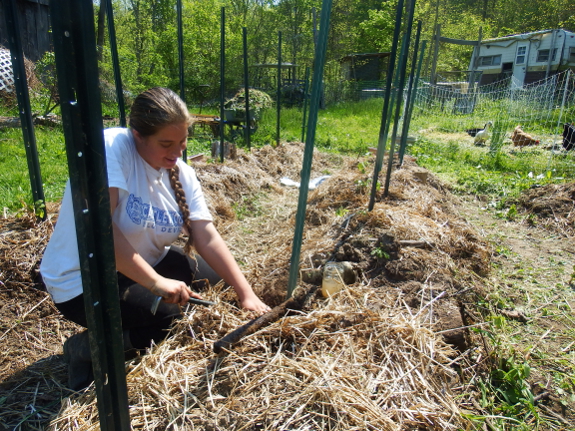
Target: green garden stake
x=401 y=83
x=77 y=70
x=116 y=62
x=222 y=80
x=27 y=124
x=309 y=143
x=279 y=88
x=384 y=127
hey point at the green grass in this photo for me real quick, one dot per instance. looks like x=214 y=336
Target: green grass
x=15 y=188
x=345 y=128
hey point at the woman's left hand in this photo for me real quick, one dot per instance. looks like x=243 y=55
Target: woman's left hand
x=253 y=303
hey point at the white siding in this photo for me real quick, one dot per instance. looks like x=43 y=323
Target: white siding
x=537 y=41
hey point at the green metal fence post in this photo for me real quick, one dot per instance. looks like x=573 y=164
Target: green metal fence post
x=279 y=88
x=309 y=144
x=412 y=93
x=384 y=127
x=407 y=104
x=181 y=62
x=305 y=99
x=27 y=124
x=401 y=83
x=116 y=63
x=77 y=71
x=246 y=87
x=222 y=79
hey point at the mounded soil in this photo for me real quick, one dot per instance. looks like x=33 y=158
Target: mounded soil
x=424 y=247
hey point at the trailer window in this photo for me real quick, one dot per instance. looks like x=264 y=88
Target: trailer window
x=490 y=60
x=543 y=55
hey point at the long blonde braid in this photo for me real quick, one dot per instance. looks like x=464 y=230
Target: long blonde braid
x=183 y=205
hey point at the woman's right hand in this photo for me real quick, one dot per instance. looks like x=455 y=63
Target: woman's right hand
x=173 y=291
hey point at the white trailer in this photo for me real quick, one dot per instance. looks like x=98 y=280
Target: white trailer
x=526 y=58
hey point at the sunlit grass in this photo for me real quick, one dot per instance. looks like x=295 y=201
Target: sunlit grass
x=346 y=128
x=15 y=188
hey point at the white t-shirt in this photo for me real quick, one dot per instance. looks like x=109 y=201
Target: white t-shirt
x=147 y=214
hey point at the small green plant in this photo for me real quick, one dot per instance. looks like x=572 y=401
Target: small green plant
x=47 y=96
x=380 y=253
x=248 y=207
x=341 y=211
x=511 y=213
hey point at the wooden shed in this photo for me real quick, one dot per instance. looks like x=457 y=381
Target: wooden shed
x=34 y=22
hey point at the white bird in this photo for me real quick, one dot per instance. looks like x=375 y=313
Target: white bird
x=483 y=135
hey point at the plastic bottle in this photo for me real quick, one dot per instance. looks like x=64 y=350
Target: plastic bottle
x=332 y=281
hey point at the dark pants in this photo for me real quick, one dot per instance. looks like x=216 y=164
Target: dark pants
x=136 y=301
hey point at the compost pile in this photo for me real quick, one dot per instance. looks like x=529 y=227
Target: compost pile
x=381 y=354
x=553 y=205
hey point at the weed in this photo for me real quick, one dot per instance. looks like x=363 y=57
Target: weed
x=380 y=253
x=248 y=207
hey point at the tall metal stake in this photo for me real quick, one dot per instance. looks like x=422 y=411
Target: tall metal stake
x=305 y=99
x=27 y=124
x=247 y=88
x=116 y=62
x=222 y=79
x=309 y=143
x=384 y=127
x=408 y=99
x=181 y=62
x=279 y=88
x=77 y=70
x=401 y=83
x=407 y=120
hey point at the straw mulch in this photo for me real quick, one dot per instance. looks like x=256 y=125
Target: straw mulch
x=369 y=358
x=380 y=355
x=348 y=364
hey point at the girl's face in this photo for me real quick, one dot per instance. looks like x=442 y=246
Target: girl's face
x=165 y=147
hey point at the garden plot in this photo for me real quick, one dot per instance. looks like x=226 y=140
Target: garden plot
x=388 y=352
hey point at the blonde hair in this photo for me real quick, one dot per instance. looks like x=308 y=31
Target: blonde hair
x=157 y=108
x=183 y=205
x=151 y=111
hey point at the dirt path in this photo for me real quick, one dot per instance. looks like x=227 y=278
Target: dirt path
x=532 y=275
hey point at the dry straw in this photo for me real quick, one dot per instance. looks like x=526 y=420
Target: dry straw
x=354 y=362
x=360 y=360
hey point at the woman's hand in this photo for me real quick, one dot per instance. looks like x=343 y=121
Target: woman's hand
x=253 y=303
x=173 y=291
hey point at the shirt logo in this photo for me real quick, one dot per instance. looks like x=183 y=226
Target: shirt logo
x=139 y=212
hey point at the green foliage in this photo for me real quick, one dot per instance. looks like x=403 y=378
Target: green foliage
x=380 y=253
x=377 y=30
x=248 y=207
x=259 y=100
x=46 y=96
x=498 y=135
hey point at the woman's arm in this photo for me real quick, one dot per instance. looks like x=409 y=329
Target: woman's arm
x=216 y=253
x=132 y=265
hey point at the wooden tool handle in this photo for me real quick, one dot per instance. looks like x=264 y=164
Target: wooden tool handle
x=296 y=302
